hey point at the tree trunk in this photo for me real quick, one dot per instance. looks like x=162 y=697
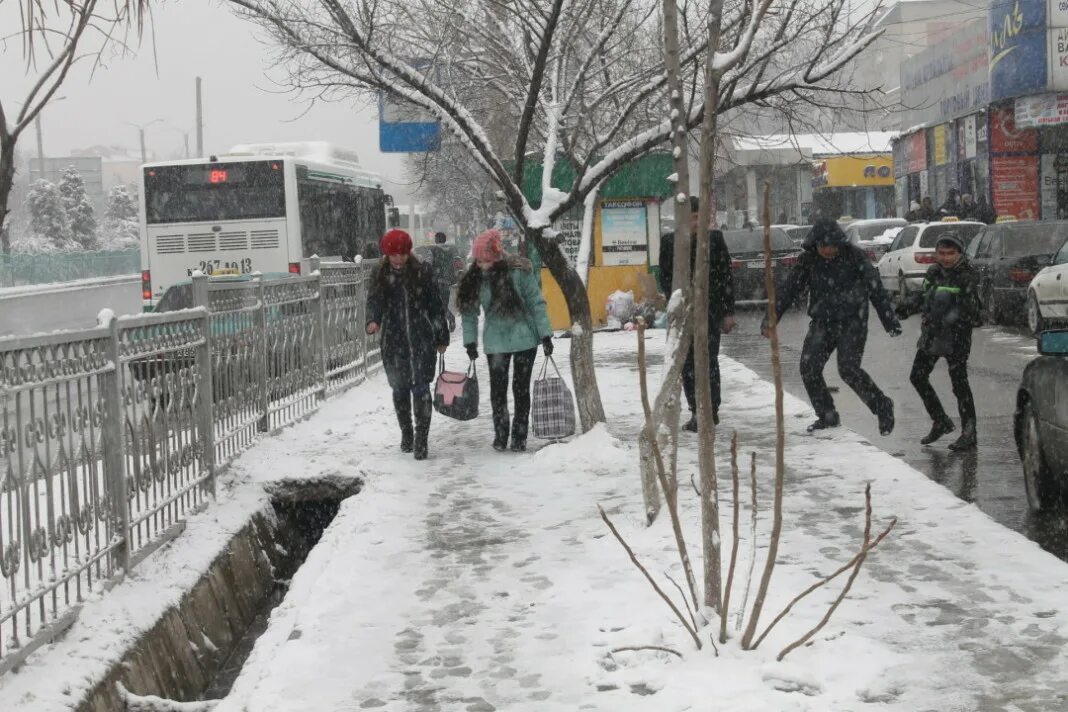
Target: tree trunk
x=7 y=181
x=587 y=394
x=706 y=437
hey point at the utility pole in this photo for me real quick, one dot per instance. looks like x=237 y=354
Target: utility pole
x=186 y=135
x=40 y=148
x=144 y=155
x=200 y=121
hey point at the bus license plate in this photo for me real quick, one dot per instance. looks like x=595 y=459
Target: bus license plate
x=755 y=265
x=220 y=267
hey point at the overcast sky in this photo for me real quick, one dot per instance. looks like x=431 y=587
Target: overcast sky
x=241 y=105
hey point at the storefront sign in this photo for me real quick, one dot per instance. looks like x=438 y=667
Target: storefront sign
x=1014 y=181
x=948 y=79
x=924 y=192
x=1041 y=110
x=852 y=171
x=1049 y=186
x=1006 y=136
x=1019 y=48
x=941 y=150
x=624 y=233
x=916 y=151
x=970 y=143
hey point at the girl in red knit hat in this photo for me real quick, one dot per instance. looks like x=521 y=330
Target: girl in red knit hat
x=404 y=307
x=505 y=289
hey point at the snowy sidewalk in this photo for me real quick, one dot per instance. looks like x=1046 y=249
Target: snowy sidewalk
x=482 y=581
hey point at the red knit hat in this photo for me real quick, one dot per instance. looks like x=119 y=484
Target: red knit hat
x=395 y=242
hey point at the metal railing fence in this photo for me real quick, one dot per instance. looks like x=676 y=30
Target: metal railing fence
x=20 y=269
x=110 y=437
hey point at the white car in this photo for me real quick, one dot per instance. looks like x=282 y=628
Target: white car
x=1047 y=295
x=865 y=234
x=905 y=263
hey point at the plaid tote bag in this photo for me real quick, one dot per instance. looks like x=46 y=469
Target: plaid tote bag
x=552 y=409
x=456 y=393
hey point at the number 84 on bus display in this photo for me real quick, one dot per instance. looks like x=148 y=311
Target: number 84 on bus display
x=221 y=267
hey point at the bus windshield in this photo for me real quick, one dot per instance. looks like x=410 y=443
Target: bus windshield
x=212 y=193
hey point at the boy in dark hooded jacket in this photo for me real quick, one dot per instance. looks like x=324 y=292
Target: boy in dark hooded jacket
x=949 y=303
x=841 y=282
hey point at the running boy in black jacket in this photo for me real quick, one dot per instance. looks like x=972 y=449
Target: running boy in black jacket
x=949 y=303
x=841 y=281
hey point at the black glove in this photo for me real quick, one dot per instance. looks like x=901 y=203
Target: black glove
x=472 y=350
x=547 y=345
x=894 y=331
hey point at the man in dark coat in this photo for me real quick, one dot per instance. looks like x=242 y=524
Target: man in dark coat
x=720 y=307
x=841 y=281
x=949 y=303
x=404 y=306
x=443 y=261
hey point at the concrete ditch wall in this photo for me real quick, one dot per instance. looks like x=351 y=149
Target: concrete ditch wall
x=178 y=658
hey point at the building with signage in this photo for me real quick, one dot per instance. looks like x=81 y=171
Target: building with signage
x=986 y=112
x=841 y=174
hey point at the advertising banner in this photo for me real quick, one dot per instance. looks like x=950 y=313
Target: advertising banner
x=1041 y=110
x=1019 y=48
x=624 y=233
x=1006 y=136
x=948 y=79
x=852 y=171
x=1014 y=183
x=916 y=152
x=941 y=148
x=970 y=142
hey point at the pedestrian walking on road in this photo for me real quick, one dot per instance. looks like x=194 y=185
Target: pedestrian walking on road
x=443 y=260
x=927 y=210
x=913 y=215
x=720 y=307
x=503 y=287
x=404 y=307
x=841 y=282
x=949 y=304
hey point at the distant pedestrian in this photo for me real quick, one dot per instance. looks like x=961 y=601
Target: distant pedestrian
x=913 y=215
x=949 y=303
x=404 y=307
x=841 y=281
x=720 y=307
x=927 y=210
x=443 y=260
x=969 y=210
x=503 y=287
x=950 y=208
x=984 y=213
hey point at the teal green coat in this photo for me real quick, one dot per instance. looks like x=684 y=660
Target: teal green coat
x=501 y=334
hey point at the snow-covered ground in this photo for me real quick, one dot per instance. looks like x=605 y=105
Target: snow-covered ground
x=486 y=581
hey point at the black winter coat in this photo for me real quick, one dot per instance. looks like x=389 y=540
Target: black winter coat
x=950 y=307
x=720 y=275
x=411 y=318
x=839 y=289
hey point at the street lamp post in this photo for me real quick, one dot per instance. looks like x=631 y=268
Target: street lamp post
x=141 y=135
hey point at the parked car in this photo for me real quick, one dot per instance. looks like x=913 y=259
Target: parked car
x=747 y=261
x=1047 y=295
x=1007 y=256
x=798 y=233
x=1041 y=422
x=865 y=234
x=912 y=252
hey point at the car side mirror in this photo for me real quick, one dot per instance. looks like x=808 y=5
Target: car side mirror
x=1053 y=343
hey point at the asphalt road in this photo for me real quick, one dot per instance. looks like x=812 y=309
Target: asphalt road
x=991 y=478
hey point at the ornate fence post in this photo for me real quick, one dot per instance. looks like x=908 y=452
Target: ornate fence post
x=365 y=340
x=261 y=329
x=205 y=386
x=318 y=306
x=113 y=443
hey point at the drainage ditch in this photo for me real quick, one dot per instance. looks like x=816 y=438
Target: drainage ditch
x=197 y=649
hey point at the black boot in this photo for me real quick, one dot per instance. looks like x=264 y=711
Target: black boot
x=519 y=437
x=691 y=424
x=402 y=403
x=423 y=409
x=968 y=439
x=829 y=419
x=886 y=417
x=501 y=421
x=941 y=426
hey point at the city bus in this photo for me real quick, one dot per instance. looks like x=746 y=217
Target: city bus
x=259 y=208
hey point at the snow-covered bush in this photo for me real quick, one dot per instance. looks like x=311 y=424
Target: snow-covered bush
x=120 y=230
x=79 y=209
x=49 y=223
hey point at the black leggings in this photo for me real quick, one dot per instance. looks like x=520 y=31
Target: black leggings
x=498 y=368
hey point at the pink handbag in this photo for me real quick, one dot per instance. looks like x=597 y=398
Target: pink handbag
x=456 y=392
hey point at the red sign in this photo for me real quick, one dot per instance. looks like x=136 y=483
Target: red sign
x=916 y=152
x=1005 y=137
x=1014 y=180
